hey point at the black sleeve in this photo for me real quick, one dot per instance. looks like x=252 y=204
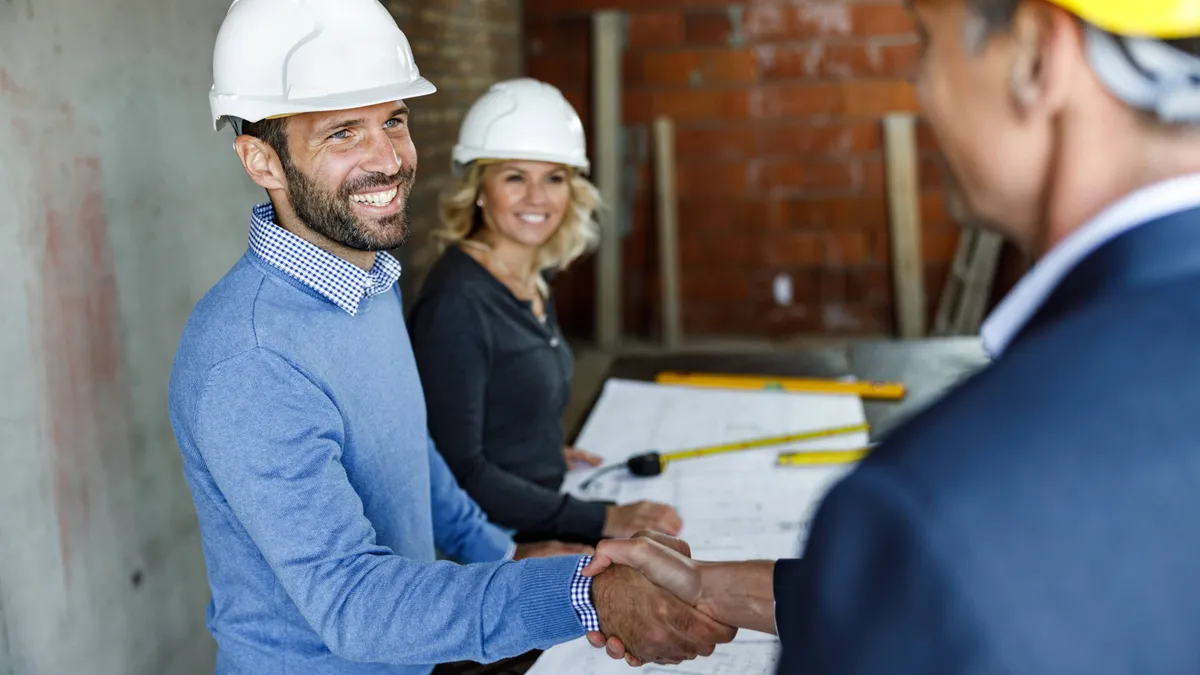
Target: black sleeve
x=875 y=593
x=452 y=346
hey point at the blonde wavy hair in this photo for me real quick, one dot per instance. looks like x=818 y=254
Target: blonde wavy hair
x=578 y=234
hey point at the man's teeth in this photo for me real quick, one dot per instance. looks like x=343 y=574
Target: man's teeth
x=376 y=198
x=533 y=218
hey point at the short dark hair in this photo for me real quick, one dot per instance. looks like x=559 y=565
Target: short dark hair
x=273 y=132
x=998 y=14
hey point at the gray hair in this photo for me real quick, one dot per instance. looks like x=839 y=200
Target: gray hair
x=1159 y=77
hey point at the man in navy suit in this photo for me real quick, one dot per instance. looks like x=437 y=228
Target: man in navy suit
x=1043 y=517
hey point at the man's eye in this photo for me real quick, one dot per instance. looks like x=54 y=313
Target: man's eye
x=341 y=135
x=393 y=123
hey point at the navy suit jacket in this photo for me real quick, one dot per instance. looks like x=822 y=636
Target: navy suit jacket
x=1044 y=516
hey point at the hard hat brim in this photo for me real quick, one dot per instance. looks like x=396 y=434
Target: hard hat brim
x=256 y=109
x=461 y=157
x=1165 y=21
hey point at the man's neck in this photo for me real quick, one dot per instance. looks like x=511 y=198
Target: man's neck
x=1098 y=175
x=286 y=218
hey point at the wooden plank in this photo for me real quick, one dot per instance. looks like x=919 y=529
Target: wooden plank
x=606 y=96
x=904 y=209
x=947 y=310
x=668 y=229
x=977 y=286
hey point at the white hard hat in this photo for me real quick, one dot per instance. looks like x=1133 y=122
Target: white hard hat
x=521 y=119
x=281 y=57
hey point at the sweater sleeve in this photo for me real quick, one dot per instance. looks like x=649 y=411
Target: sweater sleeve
x=272 y=441
x=451 y=342
x=460 y=528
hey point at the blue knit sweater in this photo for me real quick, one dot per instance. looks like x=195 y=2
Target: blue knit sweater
x=321 y=498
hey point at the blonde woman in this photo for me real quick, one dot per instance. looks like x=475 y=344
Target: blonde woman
x=493 y=362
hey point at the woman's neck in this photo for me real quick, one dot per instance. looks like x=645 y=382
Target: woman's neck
x=516 y=259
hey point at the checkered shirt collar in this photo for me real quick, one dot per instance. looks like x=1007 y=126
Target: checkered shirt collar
x=336 y=280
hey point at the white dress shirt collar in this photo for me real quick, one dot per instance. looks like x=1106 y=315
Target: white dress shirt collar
x=1142 y=206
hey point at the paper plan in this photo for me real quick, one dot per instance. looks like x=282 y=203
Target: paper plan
x=735 y=506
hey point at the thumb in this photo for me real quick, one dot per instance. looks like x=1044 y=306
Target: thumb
x=674 y=543
x=599 y=563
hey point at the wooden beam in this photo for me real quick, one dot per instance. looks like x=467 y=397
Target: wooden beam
x=606 y=96
x=904 y=208
x=668 y=229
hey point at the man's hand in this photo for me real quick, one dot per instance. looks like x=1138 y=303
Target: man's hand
x=549 y=549
x=625 y=521
x=649 y=624
x=669 y=567
x=739 y=594
x=576 y=457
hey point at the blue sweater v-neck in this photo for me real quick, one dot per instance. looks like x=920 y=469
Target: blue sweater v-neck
x=321 y=498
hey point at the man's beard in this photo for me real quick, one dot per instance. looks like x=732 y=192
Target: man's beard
x=330 y=214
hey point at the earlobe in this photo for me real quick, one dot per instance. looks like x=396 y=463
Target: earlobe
x=259 y=161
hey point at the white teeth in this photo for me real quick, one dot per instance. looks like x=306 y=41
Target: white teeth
x=533 y=218
x=376 y=198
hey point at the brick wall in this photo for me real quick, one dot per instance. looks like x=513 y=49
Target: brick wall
x=780 y=169
x=462 y=46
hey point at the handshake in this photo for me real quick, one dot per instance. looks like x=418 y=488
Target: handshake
x=657 y=605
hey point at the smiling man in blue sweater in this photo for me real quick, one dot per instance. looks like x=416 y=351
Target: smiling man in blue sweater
x=298 y=409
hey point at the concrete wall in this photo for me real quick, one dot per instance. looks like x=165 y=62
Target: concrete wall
x=119 y=207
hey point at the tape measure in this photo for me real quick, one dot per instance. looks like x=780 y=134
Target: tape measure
x=654 y=463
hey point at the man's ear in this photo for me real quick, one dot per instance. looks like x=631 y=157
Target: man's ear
x=1045 y=41
x=261 y=162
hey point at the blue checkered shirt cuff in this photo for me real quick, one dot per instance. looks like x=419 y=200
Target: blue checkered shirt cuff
x=581 y=597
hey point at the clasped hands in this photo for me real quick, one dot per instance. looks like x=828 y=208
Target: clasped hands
x=648 y=593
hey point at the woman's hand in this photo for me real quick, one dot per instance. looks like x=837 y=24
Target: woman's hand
x=577 y=458
x=628 y=520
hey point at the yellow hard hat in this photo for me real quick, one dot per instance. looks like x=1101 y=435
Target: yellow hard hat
x=1163 y=19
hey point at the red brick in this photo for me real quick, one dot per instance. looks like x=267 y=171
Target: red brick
x=795 y=249
x=707 y=28
x=853 y=318
x=840 y=213
x=780 y=178
x=559 y=6
x=736 y=318
x=798 y=100
x=868 y=284
x=875 y=99
x=692 y=68
x=715 y=285
x=925 y=138
x=805 y=137
x=933 y=209
x=780 y=21
x=559 y=69
x=711 y=179
x=837 y=60
x=685 y=105
x=847 y=248
x=724 y=250
x=554 y=35
x=938 y=244
x=709 y=142
x=796 y=319
x=739 y=216
x=655 y=29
